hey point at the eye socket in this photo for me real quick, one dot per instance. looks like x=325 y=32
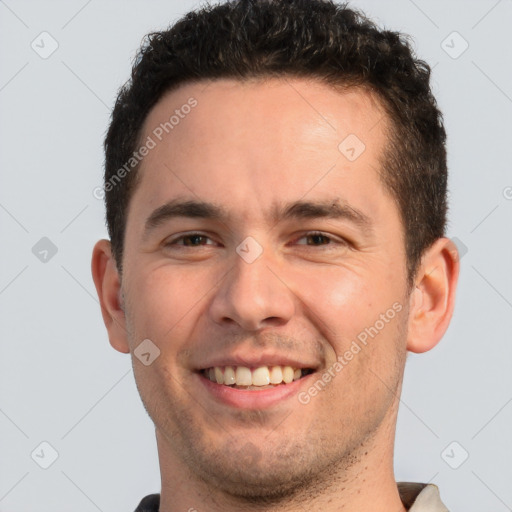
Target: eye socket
x=193 y=238
x=197 y=239
x=316 y=236
x=323 y=238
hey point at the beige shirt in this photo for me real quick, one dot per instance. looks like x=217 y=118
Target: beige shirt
x=421 y=497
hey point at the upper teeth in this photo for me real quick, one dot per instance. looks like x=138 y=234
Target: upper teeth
x=261 y=376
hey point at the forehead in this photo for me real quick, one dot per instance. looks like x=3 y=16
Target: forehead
x=247 y=143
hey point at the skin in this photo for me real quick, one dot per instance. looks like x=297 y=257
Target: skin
x=306 y=297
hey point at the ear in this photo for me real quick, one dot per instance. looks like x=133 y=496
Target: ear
x=433 y=299
x=108 y=286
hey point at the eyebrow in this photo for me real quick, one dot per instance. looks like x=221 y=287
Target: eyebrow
x=332 y=209
x=187 y=208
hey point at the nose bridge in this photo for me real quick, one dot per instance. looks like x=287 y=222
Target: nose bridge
x=251 y=295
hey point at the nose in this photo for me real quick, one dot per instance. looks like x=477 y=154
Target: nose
x=253 y=296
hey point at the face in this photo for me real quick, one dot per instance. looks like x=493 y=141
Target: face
x=254 y=242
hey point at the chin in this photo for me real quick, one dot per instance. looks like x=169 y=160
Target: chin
x=259 y=486
x=251 y=475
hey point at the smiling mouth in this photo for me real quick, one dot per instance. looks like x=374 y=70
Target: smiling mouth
x=262 y=377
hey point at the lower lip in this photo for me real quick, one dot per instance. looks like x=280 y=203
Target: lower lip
x=253 y=399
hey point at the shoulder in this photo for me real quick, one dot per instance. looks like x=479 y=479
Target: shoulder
x=150 y=503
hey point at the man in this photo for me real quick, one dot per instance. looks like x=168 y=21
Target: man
x=276 y=203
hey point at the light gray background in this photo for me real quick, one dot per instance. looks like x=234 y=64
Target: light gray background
x=61 y=382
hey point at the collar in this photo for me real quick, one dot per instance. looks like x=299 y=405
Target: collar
x=416 y=497
x=421 y=497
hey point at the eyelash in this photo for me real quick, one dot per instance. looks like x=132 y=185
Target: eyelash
x=339 y=241
x=306 y=235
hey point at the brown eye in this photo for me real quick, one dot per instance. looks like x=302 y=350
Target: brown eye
x=318 y=239
x=194 y=240
x=190 y=240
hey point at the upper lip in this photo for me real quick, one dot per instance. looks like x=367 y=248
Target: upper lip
x=255 y=360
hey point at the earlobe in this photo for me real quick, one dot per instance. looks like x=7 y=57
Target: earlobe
x=433 y=299
x=108 y=287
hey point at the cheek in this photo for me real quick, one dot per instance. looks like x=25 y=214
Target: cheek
x=348 y=306
x=341 y=299
x=166 y=300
